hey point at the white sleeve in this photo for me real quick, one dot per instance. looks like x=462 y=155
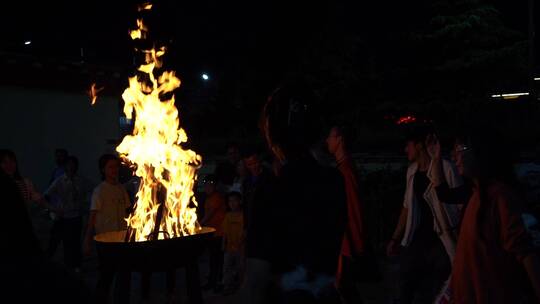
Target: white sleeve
x=406 y=196
x=53 y=188
x=96 y=200
x=453 y=179
x=406 y=202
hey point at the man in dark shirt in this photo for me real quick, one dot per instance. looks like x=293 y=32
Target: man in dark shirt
x=256 y=186
x=258 y=199
x=308 y=206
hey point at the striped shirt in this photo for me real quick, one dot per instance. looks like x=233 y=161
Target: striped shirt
x=27 y=190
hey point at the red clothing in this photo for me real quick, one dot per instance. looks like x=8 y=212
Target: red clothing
x=492 y=243
x=354 y=238
x=215 y=206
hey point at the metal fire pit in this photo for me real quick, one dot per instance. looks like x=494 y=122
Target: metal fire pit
x=155 y=256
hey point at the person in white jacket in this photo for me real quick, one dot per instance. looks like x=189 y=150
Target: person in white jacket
x=426 y=233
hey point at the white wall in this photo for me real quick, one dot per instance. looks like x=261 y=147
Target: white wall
x=33 y=123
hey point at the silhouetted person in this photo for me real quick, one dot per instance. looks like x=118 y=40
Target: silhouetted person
x=308 y=210
x=353 y=249
x=239 y=179
x=461 y=156
x=258 y=196
x=29 y=276
x=10 y=168
x=255 y=218
x=72 y=192
x=60 y=159
x=226 y=171
x=108 y=211
x=214 y=214
x=495 y=259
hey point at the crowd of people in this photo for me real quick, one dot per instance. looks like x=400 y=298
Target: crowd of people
x=291 y=230
x=461 y=226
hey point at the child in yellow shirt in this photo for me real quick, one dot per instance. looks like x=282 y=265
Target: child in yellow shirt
x=233 y=243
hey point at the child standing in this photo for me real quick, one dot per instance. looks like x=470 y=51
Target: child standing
x=233 y=240
x=109 y=209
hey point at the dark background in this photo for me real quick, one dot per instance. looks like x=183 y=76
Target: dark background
x=370 y=62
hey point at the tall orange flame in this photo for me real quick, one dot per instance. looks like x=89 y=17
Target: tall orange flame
x=167 y=171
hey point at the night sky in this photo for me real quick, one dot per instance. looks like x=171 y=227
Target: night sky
x=212 y=36
x=246 y=47
x=215 y=36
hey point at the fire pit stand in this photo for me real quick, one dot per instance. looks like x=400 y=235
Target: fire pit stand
x=156 y=256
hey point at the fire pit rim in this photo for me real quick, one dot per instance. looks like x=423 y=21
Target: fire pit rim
x=118 y=236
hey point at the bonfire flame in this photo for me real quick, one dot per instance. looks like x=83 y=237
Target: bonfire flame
x=167 y=171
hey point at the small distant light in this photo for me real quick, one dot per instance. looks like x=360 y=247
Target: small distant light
x=27 y=42
x=536 y=78
x=205 y=76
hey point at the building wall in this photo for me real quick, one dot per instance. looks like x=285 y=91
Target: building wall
x=33 y=123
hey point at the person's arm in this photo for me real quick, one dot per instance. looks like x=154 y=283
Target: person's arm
x=448 y=185
x=95 y=206
x=89 y=232
x=128 y=205
x=44 y=200
x=400 y=228
x=437 y=173
x=44 y=203
x=393 y=245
